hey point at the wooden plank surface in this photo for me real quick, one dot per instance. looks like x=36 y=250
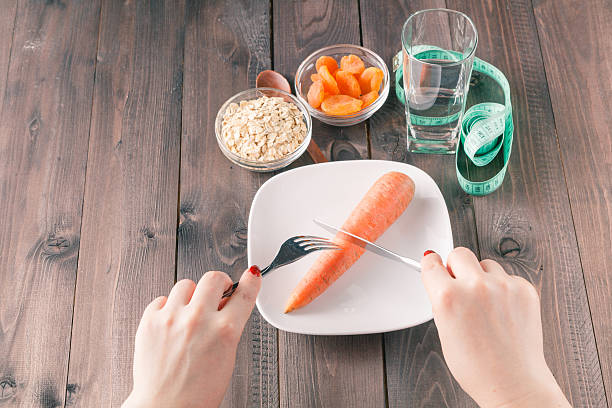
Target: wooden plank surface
x=526 y=225
x=7 y=24
x=44 y=124
x=159 y=201
x=415 y=370
x=128 y=240
x=320 y=371
x=225 y=47
x=576 y=46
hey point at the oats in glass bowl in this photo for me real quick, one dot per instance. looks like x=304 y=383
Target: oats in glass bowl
x=263 y=129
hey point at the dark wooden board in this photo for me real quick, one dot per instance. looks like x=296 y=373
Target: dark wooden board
x=128 y=239
x=152 y=188
x=46 y=105
x=415 y=370
x=7 y=23
x=576 y=44
x=314 y=370
x=226 y=45
x=527 y=224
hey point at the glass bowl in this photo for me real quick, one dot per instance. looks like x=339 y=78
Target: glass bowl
x=263 y=166
x=307 y=67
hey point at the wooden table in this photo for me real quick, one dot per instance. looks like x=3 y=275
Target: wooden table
x=112 y=187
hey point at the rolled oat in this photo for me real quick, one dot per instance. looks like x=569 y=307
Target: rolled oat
x=263 y=129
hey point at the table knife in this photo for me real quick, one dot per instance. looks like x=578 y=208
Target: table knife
x=370 y=246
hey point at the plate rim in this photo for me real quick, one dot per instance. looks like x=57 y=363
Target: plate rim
x=281 y=326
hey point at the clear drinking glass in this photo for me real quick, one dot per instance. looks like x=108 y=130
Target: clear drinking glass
x=438 y=52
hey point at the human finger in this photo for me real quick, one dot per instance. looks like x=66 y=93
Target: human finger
x=181 y=293
x=433 y=273
x=463 y=263
x=156 y=304
x=527 y=286
x=209 y=290
x=492 y=267
x=241 y=303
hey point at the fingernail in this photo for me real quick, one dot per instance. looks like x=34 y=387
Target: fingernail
x=255 y=270
x=429 y=251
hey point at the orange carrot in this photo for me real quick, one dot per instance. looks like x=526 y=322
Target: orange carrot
x=378 y=209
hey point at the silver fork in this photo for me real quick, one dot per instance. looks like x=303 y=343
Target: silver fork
x=293 y=249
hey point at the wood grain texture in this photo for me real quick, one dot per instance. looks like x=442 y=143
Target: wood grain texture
x=415 y=370
x=44 y=124
x=317 y=371
x=576 y=45
x=152 y=158
x=7 y=25
x=526 y=225
x=226 y=46
x=334 y=371
x=128 y=240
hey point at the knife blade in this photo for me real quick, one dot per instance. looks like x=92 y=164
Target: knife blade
x=370 y=246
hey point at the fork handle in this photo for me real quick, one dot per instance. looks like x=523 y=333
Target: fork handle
x=231 y=290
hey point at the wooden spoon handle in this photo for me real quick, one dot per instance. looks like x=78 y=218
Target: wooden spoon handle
x=316 y=153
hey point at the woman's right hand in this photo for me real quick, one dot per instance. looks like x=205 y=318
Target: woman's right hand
x=491 y=331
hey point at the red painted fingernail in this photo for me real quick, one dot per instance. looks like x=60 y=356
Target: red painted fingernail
x=429 y=251
x=255 y=270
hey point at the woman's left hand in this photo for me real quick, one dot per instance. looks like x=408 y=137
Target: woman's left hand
x=186 y=343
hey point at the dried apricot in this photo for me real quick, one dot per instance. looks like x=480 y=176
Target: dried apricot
x=315 y=77
x=329 y=62
x=329 y=83
x=340 y=105
x=352 y=64
x=316 y=92
x=368 y=98
x=348 y=84
x=370 y=79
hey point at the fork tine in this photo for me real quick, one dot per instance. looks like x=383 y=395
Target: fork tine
x=302 y=238
x=315 y=241
x=311 y=248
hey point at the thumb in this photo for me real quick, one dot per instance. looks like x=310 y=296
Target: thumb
x=240 y=304
x=434 y=274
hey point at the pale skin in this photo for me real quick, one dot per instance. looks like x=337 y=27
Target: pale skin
x=488 y=321
x=491 y=332
x=186 y=347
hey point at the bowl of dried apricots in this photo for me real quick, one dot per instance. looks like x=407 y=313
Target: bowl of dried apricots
x=342 y=84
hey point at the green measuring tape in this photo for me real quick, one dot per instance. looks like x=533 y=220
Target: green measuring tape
x=486 y=128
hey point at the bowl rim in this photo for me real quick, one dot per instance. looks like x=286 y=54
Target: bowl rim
x=439 y=10
x=256 y=164
x=362 y=114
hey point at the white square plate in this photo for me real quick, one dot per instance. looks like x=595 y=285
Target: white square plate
x=375 y=294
